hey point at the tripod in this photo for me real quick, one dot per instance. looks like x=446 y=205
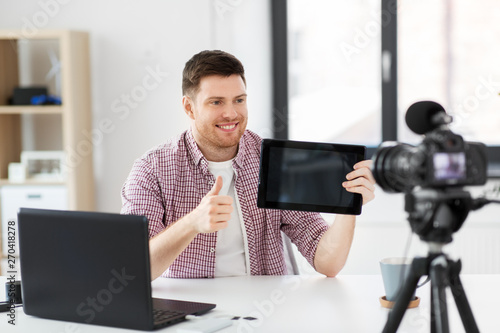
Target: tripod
x=443 y=272
x=434 y=215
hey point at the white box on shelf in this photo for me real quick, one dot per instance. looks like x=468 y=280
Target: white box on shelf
x=13 y=197
x=45 y=165
x=17 y=172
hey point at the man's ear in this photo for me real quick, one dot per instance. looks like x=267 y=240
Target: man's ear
x=188 y=105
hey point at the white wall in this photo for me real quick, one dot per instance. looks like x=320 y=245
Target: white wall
x=128 y=40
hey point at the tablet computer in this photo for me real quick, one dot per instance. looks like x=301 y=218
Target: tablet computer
x=308 y=176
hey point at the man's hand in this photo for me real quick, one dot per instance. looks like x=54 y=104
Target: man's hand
x=361 y=180
x=213 y=212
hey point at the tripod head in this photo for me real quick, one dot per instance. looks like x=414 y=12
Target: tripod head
x=435 y=214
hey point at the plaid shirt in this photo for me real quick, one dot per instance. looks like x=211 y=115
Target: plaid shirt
x=170 y=180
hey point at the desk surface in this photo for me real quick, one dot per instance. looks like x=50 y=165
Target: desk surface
x=347 y=303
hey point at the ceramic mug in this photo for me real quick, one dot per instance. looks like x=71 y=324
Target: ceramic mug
x=394 y=272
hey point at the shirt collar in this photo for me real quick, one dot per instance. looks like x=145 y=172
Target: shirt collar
x=242 y=149
x=193 y=148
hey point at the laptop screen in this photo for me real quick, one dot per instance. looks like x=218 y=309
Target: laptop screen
x=86 y=267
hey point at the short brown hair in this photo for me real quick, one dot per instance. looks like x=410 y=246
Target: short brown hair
x=207 y=63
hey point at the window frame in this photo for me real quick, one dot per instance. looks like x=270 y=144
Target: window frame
x=389 y=79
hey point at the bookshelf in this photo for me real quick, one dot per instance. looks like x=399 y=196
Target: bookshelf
x=64 y=124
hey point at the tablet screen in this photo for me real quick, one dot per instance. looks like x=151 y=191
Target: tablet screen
x=308 y=176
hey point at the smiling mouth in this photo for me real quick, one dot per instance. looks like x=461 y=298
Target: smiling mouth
x=228 y=127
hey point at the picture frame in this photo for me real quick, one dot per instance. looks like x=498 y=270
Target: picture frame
x=44 y=165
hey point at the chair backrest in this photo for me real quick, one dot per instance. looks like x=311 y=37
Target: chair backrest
x=291 y=263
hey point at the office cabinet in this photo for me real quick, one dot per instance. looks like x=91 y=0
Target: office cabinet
x=62 y=128
x=42 y=196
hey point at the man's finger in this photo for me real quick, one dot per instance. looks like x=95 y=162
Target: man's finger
x=217 y=187
x=362 y=164
x=361 y=172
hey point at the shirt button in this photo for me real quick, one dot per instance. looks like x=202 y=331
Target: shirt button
x=212 y=249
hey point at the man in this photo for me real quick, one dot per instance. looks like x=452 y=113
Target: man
x=199 y=190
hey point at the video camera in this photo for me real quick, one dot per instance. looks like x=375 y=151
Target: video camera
x=442 y=160
x=432 y=176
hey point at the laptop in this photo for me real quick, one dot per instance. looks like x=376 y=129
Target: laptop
x=92 y=268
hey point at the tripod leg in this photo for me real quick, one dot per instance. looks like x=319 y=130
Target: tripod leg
x=439 y=279
x=458 y=292
x=417 y=269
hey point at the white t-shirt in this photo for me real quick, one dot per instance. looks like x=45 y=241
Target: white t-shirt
x=231 y=254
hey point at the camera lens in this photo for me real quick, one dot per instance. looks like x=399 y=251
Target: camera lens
x=397 y=167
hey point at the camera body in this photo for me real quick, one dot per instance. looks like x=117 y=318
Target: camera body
x=443 y=159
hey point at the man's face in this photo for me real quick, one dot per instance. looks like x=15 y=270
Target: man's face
x=218 y=112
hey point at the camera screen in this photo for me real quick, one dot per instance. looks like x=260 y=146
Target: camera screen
x=449 y=166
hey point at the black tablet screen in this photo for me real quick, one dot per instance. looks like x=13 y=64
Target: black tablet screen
x=308 y=176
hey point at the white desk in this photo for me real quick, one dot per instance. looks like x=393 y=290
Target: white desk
x=297 y=304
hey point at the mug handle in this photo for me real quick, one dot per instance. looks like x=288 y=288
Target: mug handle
x=423 y=283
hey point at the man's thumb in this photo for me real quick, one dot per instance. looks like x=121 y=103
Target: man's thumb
x=217 y=186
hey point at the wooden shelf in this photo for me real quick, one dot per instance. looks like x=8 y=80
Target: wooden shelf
x=40 y=34
x=31 y=109
x=4 y=182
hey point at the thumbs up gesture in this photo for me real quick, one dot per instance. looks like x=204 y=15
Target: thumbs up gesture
x=214 y=210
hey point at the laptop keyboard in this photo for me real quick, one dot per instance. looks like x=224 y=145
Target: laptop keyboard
x=163 y=315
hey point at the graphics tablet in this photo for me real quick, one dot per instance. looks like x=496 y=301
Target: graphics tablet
x=308 y=176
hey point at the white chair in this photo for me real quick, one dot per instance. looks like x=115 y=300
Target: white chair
x=291 y=263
